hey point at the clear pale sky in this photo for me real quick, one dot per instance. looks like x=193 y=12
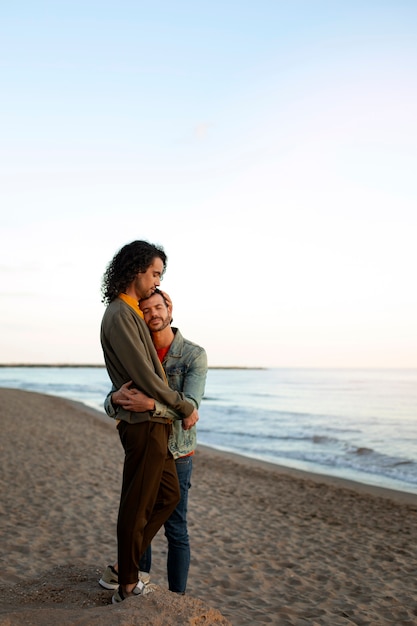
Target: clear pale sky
x=269 y=146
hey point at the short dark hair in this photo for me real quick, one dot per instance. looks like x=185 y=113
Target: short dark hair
x=159 y=293
x=134 y=257
x=156 y=292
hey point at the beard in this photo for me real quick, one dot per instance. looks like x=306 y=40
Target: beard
x=157 y=324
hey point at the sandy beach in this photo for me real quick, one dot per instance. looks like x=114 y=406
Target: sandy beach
x=269 y=545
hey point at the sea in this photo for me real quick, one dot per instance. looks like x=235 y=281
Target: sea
x=358 y=424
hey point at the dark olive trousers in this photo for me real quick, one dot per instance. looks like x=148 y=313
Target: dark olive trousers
x=150 y=492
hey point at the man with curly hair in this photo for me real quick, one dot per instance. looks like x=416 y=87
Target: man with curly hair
x=185 y=365
x=150 y=490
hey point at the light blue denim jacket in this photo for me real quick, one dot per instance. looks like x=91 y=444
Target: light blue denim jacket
x=185 y=365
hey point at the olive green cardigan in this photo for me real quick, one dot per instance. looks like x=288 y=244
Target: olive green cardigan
x=129 y=354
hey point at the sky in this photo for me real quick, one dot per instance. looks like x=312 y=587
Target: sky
x=270 y=147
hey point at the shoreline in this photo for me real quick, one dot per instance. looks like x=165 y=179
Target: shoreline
x=398 y=495
x=404 y=497
x=393 y=492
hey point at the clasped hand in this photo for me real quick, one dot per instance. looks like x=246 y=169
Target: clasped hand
x=138 y=402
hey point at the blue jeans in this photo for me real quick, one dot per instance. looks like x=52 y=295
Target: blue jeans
x=176 y=532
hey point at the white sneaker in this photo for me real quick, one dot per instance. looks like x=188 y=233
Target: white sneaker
x=139 y=590
x=110 y=578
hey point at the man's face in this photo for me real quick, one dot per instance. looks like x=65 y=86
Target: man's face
x=145 y=283
x=156 y=313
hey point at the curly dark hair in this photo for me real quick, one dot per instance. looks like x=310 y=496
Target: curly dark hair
x=121 y=271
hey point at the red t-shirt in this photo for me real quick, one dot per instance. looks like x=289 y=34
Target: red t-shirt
x=162 y=352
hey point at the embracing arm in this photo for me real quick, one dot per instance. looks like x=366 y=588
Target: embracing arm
x=136 y=401
x=138 y=361
x=193 y=386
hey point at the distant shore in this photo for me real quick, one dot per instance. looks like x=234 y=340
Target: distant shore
x=97 y=365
